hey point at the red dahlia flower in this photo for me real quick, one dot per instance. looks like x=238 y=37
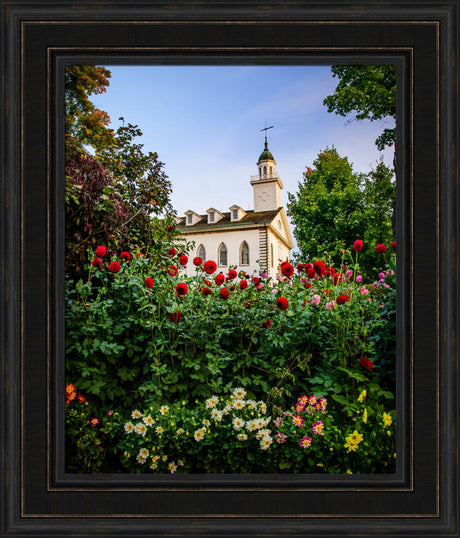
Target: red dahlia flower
x=149 y=282
x=243 y=284
x=208 y=283
x=197 y=261
x=206 y=291
x=96 y=262
x=364 y=362
x=255 y=280
x=81 y=398
x=393 y=246
x=311 y=272
x=342 y=299
x=224 y=293
x=100 y=251
x=172 y=270
x=232 y=274
x=170 y=228
x=183 y=259
x=220 y=278
x=210 y=267
x=380 y=248
x=300 y=267
x=282 y=303
x=319 y=267
x=114 y=267
x=175 y=316
x=125 y=256
x=172 y=251
x=266 y=324
x=287 y=269
x=307 y=285
x=358 y=245
x=181 y=289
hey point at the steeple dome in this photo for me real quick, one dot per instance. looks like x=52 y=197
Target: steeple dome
x=266 y=154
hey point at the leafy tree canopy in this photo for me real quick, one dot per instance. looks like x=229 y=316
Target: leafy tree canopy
x=334 y=206
x=369 y=91
x=86 y=125
x=112 y=186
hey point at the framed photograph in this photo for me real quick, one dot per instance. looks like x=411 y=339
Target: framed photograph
x=103 y=339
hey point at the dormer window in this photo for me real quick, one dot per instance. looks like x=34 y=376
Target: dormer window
x=234 y=214
x=190 y=219
x=211 y=216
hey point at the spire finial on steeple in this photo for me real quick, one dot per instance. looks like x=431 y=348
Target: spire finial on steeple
x=266 y=129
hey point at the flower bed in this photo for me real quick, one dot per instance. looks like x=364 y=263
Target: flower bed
x=142 y=335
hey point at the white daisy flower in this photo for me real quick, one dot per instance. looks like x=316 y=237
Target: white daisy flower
x=129 y=427
x=239 y=393
x=155 y=459
x=159 y=430
x=212 y=402
x=206 y=422
x=251 y=404
x=262 y=407
x=140 y=428
x=265 y=443
x=140 y=459
x=144 y=453
x=180 y=431
x=238 y=404
x=238 y=423
x=180 y=463
x=242 y=437
x=164 y=409
x=263 y=433
x=154 y=466
x=148 y=421
x=172 y=467
x=251 y=425
x=199 y=434
x=227 y=409
x=217 y=415
x=136 y=414
x=164 y=458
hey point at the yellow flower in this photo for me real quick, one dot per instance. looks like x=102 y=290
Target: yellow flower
x=349 y=472
x=362 y=396
x=387 y=420
x=354 y=437
x=351 y=446
x=365 y=416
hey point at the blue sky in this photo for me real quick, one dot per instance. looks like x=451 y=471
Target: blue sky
x=205 y=124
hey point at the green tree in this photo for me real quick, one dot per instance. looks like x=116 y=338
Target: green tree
x=327 y=210
x=368 y=90
x=334 y=206
x=379 y=198
x=112 y=186
x=85 y=125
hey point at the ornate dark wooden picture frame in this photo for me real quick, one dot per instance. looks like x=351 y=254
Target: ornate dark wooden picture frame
x=38 y=497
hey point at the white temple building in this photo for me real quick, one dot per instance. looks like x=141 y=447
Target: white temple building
x=253 y=240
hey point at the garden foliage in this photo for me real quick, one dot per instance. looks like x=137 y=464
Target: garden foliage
x=142 y=337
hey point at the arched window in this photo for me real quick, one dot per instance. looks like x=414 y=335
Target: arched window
x=265 y=171
x=272 y=260
x=271 y=171
x=244 y=253
x=222 y=254
x=201 y=252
